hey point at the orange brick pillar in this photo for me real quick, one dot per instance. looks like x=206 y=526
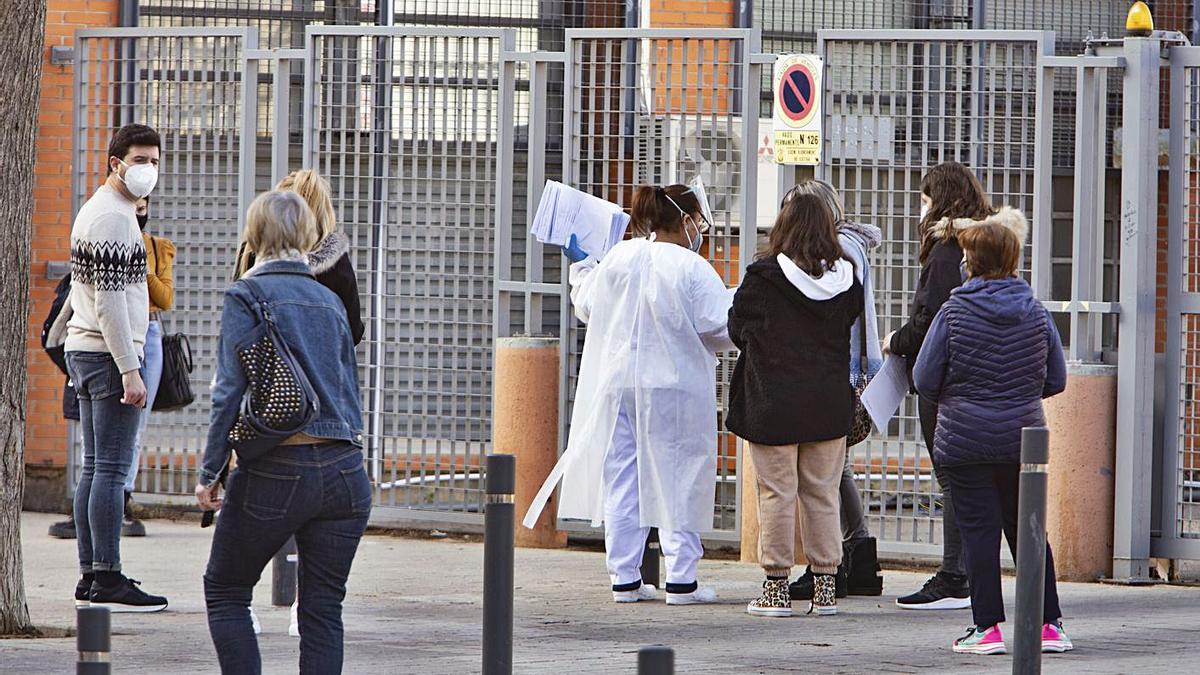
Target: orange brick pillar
x=1083 y=446
x=525 y=424
x=45 y=429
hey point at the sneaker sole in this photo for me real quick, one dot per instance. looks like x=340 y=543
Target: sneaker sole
x=944 y=603
x=627 y=599
x=771 y=612
x=117 y=608
x=82 y=603
x=1055 y=647
x=823 y=611
x=689 y=601
x=990 y=650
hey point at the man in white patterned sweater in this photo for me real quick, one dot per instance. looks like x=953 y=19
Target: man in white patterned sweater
x=109 y=312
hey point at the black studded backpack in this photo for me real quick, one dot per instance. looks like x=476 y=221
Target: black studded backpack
x=279 y=400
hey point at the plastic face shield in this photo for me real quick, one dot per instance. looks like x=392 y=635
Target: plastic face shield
x=696 y=185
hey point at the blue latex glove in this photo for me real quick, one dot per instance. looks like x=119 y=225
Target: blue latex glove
x=573 y=252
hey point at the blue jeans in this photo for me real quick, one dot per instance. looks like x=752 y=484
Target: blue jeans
x=152 y=370
x=108 y=428
x=320 y=494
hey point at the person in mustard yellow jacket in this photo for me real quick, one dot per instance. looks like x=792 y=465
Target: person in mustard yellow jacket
x=160 y=283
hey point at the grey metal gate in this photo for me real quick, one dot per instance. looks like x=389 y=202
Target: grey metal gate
x=655 y=106
x=196 y=87
x=1179 y=535
x=406 y=124
x=898 y=102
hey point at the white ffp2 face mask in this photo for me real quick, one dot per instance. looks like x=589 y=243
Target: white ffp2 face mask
x=924 y=211
x=139 y=179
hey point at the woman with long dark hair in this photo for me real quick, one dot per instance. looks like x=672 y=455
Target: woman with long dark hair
x=949 y=191
x=790 y=395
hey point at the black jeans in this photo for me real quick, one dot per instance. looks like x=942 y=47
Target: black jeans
x=952 y=546
x=986 y=504
x=109 y=428
x=319 y=493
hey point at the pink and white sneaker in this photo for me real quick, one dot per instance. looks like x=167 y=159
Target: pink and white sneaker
x=1055 y=640
x=981 y=641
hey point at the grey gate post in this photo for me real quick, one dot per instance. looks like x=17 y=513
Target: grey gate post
x=498 y=534
x=1136 y=324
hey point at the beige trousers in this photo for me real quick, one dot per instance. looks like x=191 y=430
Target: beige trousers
x=812 y=472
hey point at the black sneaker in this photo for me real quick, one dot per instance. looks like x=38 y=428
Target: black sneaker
x=125 y=596
x=130 y=526
x=802 y=588
x=862 y=567
x=64 y=529
x=942 y=591
x=83 y=590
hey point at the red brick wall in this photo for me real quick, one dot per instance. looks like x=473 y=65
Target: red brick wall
x=699 y=13
x=45 y=431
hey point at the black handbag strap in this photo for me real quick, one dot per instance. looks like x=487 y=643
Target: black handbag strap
x=185 y=348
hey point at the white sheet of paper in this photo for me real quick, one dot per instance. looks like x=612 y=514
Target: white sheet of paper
x=887 y=389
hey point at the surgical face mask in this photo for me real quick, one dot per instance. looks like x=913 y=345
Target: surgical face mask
x=924 y=209
x=693 y=243
x=696 y=243
x=139 y=179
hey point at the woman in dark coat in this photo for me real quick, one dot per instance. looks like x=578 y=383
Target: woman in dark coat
x=991 y=355
x=329 y=260
x=790 y=394
x=948 y=192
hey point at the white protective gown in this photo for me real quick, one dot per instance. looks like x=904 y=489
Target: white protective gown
x=657 y=315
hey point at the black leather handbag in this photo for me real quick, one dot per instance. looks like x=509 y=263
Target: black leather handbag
x=175 y=387
x=279 y=400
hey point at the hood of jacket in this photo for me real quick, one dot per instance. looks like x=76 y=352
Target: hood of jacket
x=1007 y=216
x=868 y=235
x=800 y=288
x=998 y=301
x=329 y=251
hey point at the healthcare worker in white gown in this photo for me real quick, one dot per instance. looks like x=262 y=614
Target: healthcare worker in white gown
x=642 y=450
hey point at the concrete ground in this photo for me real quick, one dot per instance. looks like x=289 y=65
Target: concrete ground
x=414 y=606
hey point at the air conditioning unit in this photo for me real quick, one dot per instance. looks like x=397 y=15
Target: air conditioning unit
x=677 y=148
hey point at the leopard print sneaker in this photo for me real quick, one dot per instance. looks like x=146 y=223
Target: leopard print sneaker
x=824 y=601
x=775 y=600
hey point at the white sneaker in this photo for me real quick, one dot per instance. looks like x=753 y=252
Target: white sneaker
x=646 y=592
x=294 y=626
x=703 y=595
x=254 y=622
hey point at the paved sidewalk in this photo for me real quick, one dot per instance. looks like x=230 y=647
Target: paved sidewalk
x=414 y=607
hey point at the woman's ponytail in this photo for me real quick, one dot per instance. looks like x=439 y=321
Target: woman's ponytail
x=652 y=209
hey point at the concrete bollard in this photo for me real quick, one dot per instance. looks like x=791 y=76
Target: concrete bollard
x=656 y=660
x=498 y=521
x=93 y=640
x=525 y=423
x=1031 y=552
x=651 y=567
x=283 y=575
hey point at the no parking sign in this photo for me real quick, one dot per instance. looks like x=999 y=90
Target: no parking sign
x=797 y=119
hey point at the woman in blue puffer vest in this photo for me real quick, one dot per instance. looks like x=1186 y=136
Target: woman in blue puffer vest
x=990 y=357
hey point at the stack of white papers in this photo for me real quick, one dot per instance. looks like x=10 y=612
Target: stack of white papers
x=564 y=211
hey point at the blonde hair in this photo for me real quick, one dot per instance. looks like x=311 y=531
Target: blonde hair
x=279 y=223
x=823 y=191
x=315 y=190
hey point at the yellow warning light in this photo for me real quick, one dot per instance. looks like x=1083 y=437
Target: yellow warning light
x=1139 y=22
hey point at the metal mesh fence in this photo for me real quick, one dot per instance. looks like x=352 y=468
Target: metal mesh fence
x=189 y=88
x=896 y=108
x=661 y=111
x=406 y=128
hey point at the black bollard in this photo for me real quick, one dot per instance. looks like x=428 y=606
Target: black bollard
x=93 y=639
x=283 y=575
x=650 y=560
x=656 y=660
x=498 y=516
x=1031 y=552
